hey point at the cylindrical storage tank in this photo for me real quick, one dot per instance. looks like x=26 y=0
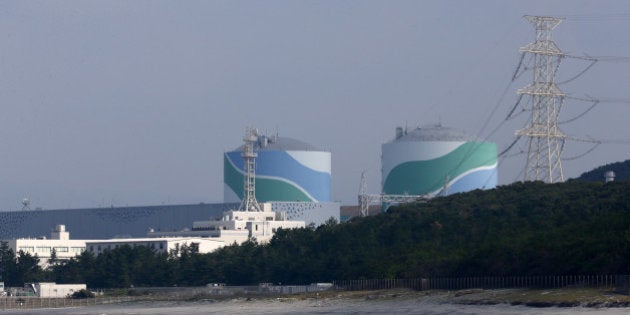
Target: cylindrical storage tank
x=437 y=160
x=286 y=170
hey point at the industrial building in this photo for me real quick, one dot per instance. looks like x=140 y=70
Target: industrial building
x=159 y=245
x=135 y=222
x=437 y=160
x=293 y=176
x=108 y=222
x=237 y=226
x=42 y=247
x=252 y=220
x=66 y=248
x=286 y=170
x=118 y=222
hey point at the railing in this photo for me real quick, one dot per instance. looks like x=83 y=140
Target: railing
x=543 y=282
x=619 y=283
x=222 y=290
x=31 y=302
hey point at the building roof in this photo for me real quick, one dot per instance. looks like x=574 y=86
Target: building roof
x=276 y=143
x=433 y=133
x=153 y=239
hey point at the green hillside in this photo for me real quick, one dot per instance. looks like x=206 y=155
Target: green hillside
x=621 y=169
x=522 y=229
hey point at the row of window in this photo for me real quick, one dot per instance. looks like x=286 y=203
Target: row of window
x=49 y=249
x=100 y=248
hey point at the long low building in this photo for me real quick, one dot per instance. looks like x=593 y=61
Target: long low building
x=135 y=222
x=234 y=227
x=159 y=245
x=66 y=248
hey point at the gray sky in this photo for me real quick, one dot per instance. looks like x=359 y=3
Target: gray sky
x=134 y=102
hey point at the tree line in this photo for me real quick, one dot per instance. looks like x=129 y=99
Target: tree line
x=520 y=229
x=621 y=169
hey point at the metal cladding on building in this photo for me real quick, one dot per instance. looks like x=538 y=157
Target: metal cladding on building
x=109 y=222
x=121 y=222
x=437 y=160
x=286 y=170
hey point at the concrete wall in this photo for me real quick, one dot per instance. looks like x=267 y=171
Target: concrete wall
x=53 y=290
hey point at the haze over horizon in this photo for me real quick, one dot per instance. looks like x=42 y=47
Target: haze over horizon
x=135 y=102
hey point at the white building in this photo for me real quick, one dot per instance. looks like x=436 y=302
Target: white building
x=238 y=226
x=65 y=248
x=207 y=236
x=53 y=290
x=159 y=245
x=59 y=242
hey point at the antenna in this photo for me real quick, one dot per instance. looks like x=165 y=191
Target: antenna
x=545 y=139
x=249 y=202
x=364 y=199
x=26 y=204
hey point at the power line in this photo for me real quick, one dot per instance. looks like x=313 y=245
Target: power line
x=614 y=141
x=506 y=150
x=547 y=98
x=583 y=154
x=595 y=102
x=593 y=62
x=598 y=17
x=618 y=59
x=599 y=100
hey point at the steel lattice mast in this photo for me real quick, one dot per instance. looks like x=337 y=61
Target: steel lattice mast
x=249 y=202
x=365 y=199
x=545 y=139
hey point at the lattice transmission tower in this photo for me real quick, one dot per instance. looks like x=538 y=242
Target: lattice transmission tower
x=545 y=139
x=249 y=202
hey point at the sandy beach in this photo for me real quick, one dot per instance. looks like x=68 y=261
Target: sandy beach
x=377 y=302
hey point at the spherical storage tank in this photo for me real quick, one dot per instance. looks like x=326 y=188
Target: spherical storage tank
x=286 y=170
x=437 y=160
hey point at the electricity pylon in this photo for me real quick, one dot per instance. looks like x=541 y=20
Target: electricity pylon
x=545 y=139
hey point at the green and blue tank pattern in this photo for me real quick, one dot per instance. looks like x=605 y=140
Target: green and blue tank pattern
x=465 y=166
x=281 y=176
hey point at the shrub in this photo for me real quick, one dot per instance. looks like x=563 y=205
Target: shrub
x=83 y=294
